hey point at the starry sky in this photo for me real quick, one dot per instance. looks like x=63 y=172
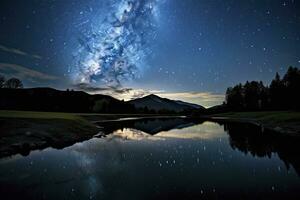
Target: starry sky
x=190 y=50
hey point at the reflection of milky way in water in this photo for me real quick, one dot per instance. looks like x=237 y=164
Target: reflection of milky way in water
x=186 y=167
x=115 y=51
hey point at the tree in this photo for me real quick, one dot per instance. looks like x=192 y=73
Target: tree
x=277 y=90
x=13 y=83
x=2 y=81
x=235 y=97
x=101 y=106
x=282 y=93
x=254 y=95
x=291 y=81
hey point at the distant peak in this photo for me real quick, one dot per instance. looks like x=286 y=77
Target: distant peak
x=152 y=96
x=155 y=102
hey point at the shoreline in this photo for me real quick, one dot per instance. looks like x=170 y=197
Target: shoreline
x=283 y=122
x=22 y=132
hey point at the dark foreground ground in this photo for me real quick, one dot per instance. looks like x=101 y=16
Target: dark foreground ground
x=23 y=131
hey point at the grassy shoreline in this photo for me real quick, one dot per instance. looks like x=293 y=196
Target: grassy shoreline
x=23 y=131
x=284 y=122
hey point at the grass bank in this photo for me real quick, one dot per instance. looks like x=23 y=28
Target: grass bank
x=23 y=131
x=286 y=122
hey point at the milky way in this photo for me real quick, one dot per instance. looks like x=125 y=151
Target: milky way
x=116 y=50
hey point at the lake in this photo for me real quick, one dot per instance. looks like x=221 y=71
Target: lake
x=167 y=158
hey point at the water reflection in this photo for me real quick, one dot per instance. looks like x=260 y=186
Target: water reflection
x=149 y=125
x=207 y=130
x=159 y=159
x=252 y=139
x=246 y=138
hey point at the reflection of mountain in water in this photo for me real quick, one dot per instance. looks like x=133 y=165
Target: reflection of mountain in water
x=148 y=125
x=252 y=139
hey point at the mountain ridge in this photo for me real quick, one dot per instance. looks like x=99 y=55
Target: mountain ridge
x=157 y=103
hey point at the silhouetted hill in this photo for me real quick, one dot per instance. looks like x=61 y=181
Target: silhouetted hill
x=48 y=99
x=217 y=109
x=153 y=102
x=196 y=106
x=52 y=100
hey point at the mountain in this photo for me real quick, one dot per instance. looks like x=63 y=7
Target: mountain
x=196 y=106
x=217 y=109
x=157 y=103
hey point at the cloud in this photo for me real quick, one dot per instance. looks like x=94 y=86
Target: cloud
x=24 y=73
x=93 y=89
x=117 y=92
x=19 y=52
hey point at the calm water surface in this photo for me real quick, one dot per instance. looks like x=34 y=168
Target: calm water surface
x=160 y=159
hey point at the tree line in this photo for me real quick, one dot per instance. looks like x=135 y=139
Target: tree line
x=281 y=94
x=12 y=83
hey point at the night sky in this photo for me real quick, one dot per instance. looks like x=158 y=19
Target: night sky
x=190 y=50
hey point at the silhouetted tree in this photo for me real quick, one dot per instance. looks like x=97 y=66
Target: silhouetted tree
x=13 y=83
x=235 y=97
x=277 y=93
x=254 y=95
x=100 y=106
x=2 y=81
x=282 y=94
x=291 y=81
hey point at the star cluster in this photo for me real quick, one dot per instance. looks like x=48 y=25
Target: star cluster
x=115 y=50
